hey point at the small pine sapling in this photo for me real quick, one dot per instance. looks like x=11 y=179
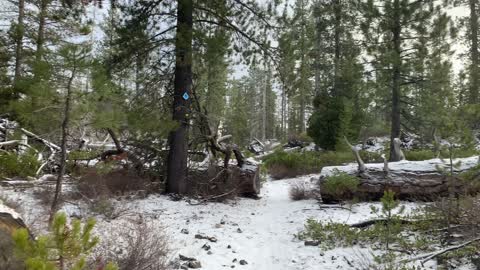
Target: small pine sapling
x=65 y=247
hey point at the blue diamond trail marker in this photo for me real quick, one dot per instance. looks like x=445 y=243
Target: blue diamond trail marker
x=185 y=96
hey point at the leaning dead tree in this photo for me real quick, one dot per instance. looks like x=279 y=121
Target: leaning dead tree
x=209 y=179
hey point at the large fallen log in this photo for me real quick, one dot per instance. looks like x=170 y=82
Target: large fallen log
x=410 y=180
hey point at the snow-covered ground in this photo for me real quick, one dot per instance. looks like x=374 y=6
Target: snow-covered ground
x=261 y=232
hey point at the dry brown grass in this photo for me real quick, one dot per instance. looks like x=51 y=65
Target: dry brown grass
x=300 y=191
x=143 y=245
x=94 y=184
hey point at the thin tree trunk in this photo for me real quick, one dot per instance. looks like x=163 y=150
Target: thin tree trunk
x=397 y=62
x=302 y=89
x=177 y=157
x=336 y=60
x=19 y=44
x=63 y=152
x=264 y=103
x=283 y=126
x=41 y=29
x=474 y=76
x=318 y=53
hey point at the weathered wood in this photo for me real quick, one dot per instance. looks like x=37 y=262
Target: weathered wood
x=355 y=150
x=425 y=184
x=425 y=187
x=216 y=181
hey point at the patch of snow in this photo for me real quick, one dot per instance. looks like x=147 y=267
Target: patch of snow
x=6 y=209
x=374 y=145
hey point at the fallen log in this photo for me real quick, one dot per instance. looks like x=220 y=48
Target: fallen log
x=370 y=222
x=420 y=180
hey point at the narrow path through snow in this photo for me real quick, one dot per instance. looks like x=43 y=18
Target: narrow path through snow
x=261 y=232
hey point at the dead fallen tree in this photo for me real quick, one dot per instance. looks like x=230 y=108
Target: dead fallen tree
x=212 y=180
x=216 y=183
x=410 y=180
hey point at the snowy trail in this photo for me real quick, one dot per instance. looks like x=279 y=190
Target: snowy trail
x=261 y=232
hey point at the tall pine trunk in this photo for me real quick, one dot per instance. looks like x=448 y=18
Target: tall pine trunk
x=397 y=62
x=19 y=43
x=177 y=156
x=474 y=76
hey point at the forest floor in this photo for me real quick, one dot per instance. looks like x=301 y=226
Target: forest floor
x=260 y=232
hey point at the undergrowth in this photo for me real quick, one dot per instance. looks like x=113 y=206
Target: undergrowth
x=18 y=165
x=281 y=164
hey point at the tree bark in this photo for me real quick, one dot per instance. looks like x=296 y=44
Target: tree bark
x=337 y=34
x=397 y=62
x=19 y=43
x=264 y=101
x=178 y=141
x=424 y=186
x=63 y=152
x=41 y=29
x=474 y=76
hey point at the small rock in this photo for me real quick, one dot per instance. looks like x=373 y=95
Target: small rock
x=206 y=247
x=243 y=262
x=234 y=260
x=209 y=252
x=184 y=231
x=233 y=266
x=194 y=264
x=322 y=253
x=222 y=222
x=239 y=230
x=184 y=266
x=185 y=258
x=218 y=226
x=334 y=258
x=253 y=214
x=312 y=243
x=229 y=246
x=209 y=238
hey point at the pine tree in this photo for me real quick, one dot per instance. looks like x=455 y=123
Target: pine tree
x=391 y=31
x=338 y=75
x=66 y=247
